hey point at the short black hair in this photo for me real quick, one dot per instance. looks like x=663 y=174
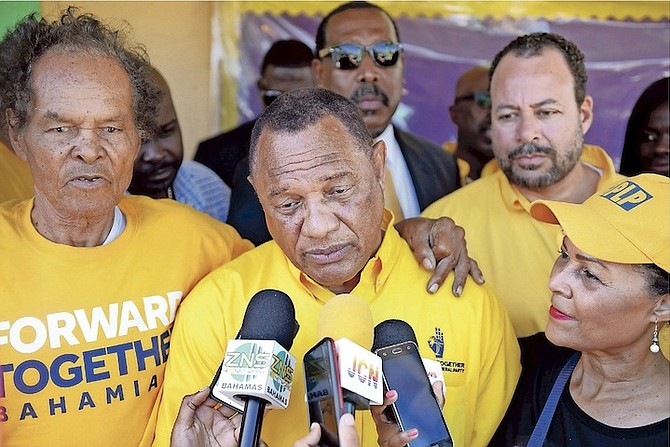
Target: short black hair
x=652 y=97
x=298 y=109
x=533 y=44
x=31 y=38
x=288 y=53
x=321 y=30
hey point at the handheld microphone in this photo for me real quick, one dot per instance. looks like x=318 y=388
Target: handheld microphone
x=404 y=371
x=258 y=370
x=347 y=319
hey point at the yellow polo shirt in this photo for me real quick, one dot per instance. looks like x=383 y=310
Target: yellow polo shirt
x=514 y=251
x=16 y=182
x=480 y=360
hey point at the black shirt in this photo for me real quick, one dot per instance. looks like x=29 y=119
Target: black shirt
x=570 y=425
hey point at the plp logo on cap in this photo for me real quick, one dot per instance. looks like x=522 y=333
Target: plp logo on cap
x=628 y=223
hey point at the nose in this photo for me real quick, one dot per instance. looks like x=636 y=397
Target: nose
x=151 y=151
x=319 y=220
x=528 y=129
x=368 y=71
x=557 y=281
x=88 y=146
x=663 y=143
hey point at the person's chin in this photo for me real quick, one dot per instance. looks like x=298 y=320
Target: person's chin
x=376 y=122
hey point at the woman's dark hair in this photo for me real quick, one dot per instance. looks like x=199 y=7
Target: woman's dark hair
x=652 y=97
x=658 y=280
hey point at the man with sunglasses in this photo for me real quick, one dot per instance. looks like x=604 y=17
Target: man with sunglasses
x=285 y=66
x=471 y=112
x=359 y=55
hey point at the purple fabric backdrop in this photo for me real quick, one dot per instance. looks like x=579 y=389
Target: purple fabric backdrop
x=622 y=58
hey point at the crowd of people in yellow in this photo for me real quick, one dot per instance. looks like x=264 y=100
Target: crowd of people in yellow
x=542 y=270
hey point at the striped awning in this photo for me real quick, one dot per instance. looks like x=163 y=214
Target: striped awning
x=552 y=10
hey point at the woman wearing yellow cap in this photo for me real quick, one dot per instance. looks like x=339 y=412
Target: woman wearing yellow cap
x=598 y=378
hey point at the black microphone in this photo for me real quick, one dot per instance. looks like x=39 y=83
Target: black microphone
x=404 y=371
x=258 y=370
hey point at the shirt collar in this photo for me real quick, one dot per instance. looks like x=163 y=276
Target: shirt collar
x=593 y=156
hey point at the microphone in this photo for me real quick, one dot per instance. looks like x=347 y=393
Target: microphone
x=405 y=371
x=257 y=370
x=347 y=319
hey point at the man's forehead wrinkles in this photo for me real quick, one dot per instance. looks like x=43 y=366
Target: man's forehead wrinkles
x=298 y=163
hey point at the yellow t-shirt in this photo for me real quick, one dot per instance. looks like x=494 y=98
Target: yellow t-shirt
x=514 y=251
x=84 y=332
x=16 y=182
x=480 y=358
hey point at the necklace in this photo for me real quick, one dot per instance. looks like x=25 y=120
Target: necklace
x=170 y=192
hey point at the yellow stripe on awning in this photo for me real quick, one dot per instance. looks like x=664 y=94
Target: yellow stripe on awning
x=602 y=10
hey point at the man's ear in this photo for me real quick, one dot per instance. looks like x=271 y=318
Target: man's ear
x=379 y=161
x=455 y=114
x=586 y=113
x=317 y=71
x=15 y=137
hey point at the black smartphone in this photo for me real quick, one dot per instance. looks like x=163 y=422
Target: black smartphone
x=324 y=394
x=416 y=406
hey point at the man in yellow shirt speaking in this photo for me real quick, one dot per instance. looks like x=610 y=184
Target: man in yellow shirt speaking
x=320 y=180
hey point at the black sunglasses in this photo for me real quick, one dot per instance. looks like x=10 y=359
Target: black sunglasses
x=269 y=96
x=348 y=56
x=482 y=99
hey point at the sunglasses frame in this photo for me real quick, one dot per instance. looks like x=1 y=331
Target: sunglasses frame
x=335 y=49
x=481 y=98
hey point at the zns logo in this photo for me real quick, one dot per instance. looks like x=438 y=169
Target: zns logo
x=627 y=195
x=436 y=343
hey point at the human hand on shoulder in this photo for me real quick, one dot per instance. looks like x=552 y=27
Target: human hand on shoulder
x=439 y=246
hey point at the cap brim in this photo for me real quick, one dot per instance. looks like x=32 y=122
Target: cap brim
x=590 y=231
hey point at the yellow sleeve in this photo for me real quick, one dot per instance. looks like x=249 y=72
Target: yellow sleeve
x=500 y=370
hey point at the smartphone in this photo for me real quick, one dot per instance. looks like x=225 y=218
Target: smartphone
x=416 y=406
x=324 y=393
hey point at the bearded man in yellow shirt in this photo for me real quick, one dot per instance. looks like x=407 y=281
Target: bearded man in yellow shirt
x=540 y=113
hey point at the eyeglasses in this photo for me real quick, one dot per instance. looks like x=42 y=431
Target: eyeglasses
x=349 y=56
x=269 y=96
x=482 y=99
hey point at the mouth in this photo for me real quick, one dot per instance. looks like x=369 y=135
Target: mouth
x=530 y=160
x=160 y=174
x=88 y=180
x=327 y=255
x=558 y=315
x=370 y=103
x=660 y=165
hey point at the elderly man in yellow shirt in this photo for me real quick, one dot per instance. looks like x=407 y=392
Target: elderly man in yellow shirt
x=320 y=180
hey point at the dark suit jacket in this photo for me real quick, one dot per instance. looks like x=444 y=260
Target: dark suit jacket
x=222 y=152
x=434 y=174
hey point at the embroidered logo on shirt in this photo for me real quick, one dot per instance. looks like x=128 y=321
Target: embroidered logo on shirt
x=436 y=343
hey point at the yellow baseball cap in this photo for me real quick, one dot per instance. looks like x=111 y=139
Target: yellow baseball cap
x=627 y=223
